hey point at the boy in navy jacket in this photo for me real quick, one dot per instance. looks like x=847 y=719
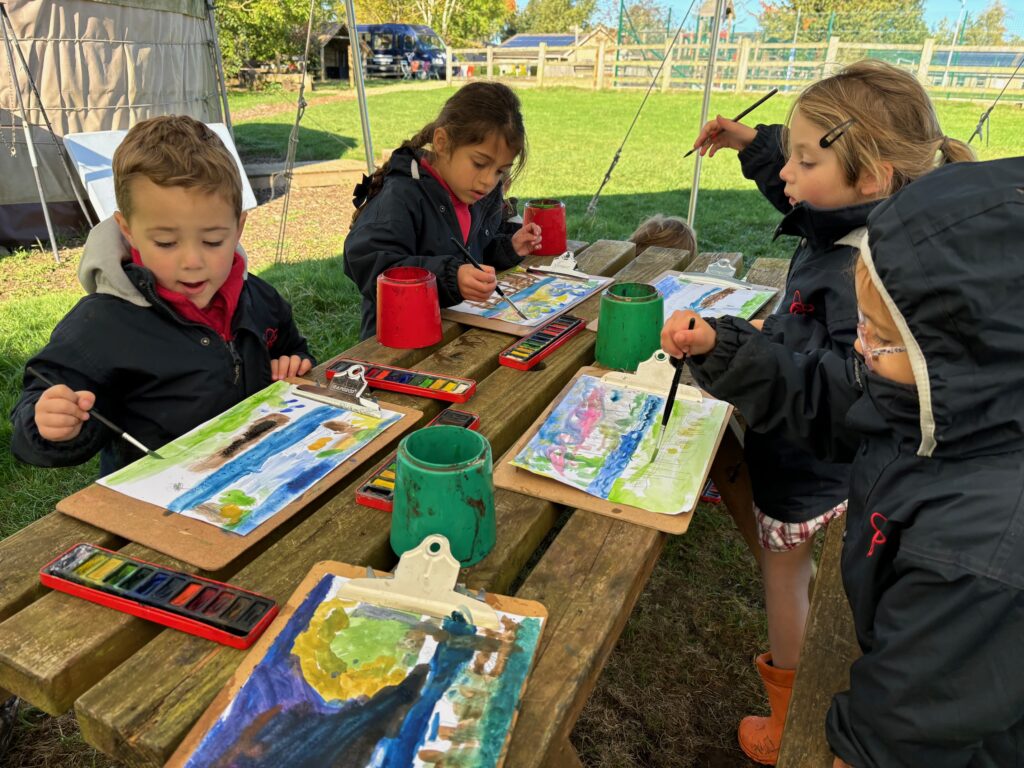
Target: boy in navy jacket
x=173 y=331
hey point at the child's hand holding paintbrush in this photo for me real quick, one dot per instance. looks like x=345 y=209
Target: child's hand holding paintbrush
x=732 y=134
x=60 y=412
x=686 y=333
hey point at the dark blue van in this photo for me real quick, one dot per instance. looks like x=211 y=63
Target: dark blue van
x=404 y=50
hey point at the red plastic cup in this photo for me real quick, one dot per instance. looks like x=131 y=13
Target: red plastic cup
x=408 y=310
x=550 y=215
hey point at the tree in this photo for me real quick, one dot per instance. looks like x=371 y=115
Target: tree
x=555 y=15
x=989 y=28
x=883 y=21
x=458 y=22
x=260 y=30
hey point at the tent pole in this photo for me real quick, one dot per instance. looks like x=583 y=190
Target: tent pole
x=218 y=68
x=293 y=141
x=709 y=79
x=69 y=167
x=28 y=134
x=357 y=58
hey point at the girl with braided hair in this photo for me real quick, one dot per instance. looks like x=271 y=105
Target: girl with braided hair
x=446 y=181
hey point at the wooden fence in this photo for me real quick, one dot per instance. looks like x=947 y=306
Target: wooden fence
x=968 y=71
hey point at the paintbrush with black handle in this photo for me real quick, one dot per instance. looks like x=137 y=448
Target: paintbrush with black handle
x=497 y=288
x=101 y=419
x=736 y=119
x=678 y=363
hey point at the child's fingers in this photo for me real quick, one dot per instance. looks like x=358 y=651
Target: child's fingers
x=304 y=367
x=294 y=364
x=273 y=369
x=86 y=400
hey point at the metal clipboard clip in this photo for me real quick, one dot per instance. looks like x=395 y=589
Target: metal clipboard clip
x=345 y=390
x=564 y=265
x=654 y=376
x=423 y=582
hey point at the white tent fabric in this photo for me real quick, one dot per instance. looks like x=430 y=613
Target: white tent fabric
x=99 y=66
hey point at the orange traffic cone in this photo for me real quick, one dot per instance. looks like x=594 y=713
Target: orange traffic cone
x=760 y=737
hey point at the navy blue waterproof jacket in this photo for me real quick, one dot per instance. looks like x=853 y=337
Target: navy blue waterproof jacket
x=410 y=223
x=933 y=558
x=154 y=374
x=817 y=310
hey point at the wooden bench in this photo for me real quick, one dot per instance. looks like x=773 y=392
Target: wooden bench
x=830 y=647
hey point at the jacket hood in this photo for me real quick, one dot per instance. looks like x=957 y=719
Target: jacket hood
x=944 y=254
x=101 y=269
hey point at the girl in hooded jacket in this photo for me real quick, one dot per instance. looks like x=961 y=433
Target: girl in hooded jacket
x=930 y=410
x=850 y=141
x=446 y=181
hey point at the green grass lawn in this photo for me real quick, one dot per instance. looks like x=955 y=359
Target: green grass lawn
x=573 y=135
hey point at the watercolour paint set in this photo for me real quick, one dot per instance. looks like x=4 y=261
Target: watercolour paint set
x=192 y=604
x=379 y=491
x=528 y=351
x=408 y=382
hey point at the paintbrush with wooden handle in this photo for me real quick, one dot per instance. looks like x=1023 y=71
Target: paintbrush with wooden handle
x=101 y=419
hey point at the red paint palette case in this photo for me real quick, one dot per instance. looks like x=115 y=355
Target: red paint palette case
x=418 y=383
x=530 y=350
x=183 y=601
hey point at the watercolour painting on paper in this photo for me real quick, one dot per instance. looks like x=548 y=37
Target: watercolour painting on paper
x=540 y=296
x=710 y=297
x=354 y=684
x=240 y=468
x=600 y=438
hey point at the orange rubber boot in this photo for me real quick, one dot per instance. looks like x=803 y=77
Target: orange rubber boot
x=760 y=737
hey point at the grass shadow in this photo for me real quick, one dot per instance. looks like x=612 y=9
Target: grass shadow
x=268 y=142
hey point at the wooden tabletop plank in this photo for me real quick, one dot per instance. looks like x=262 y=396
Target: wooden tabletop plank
x=589 y=580
x=143 y=724
x=523 y=522
x=61 y=645
x=25 y=552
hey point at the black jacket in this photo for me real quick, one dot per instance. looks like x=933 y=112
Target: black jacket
x=818 y=310
x=933 y=560
x=410 y=222
x=154 y=374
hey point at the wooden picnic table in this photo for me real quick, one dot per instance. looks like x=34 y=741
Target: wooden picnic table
x=137 y=688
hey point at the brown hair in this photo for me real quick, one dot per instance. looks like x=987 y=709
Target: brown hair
x=665 y=231
x=175 y=151
x=893 y=122
x=470 y=116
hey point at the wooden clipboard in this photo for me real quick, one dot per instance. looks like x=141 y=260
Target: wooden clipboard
x=519 y=329
x=525 y=482
x=710 y=280
x=256 y=654
x=201 y=544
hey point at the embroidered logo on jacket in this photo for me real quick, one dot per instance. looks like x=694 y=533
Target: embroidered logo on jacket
x=798 y=307
x=878 y=537
x=270 y=337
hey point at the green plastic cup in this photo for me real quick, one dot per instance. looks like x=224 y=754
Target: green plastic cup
x=629 y=327
x=443 y=484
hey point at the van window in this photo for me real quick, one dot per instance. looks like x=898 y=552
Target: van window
x=408 y=44
x=431 y=42
x=382 y=41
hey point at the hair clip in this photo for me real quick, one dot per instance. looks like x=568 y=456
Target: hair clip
x=833 y=134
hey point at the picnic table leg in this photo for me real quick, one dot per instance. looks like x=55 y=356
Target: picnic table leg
x=830 y=647
x=731 y=477
x=563 y=755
